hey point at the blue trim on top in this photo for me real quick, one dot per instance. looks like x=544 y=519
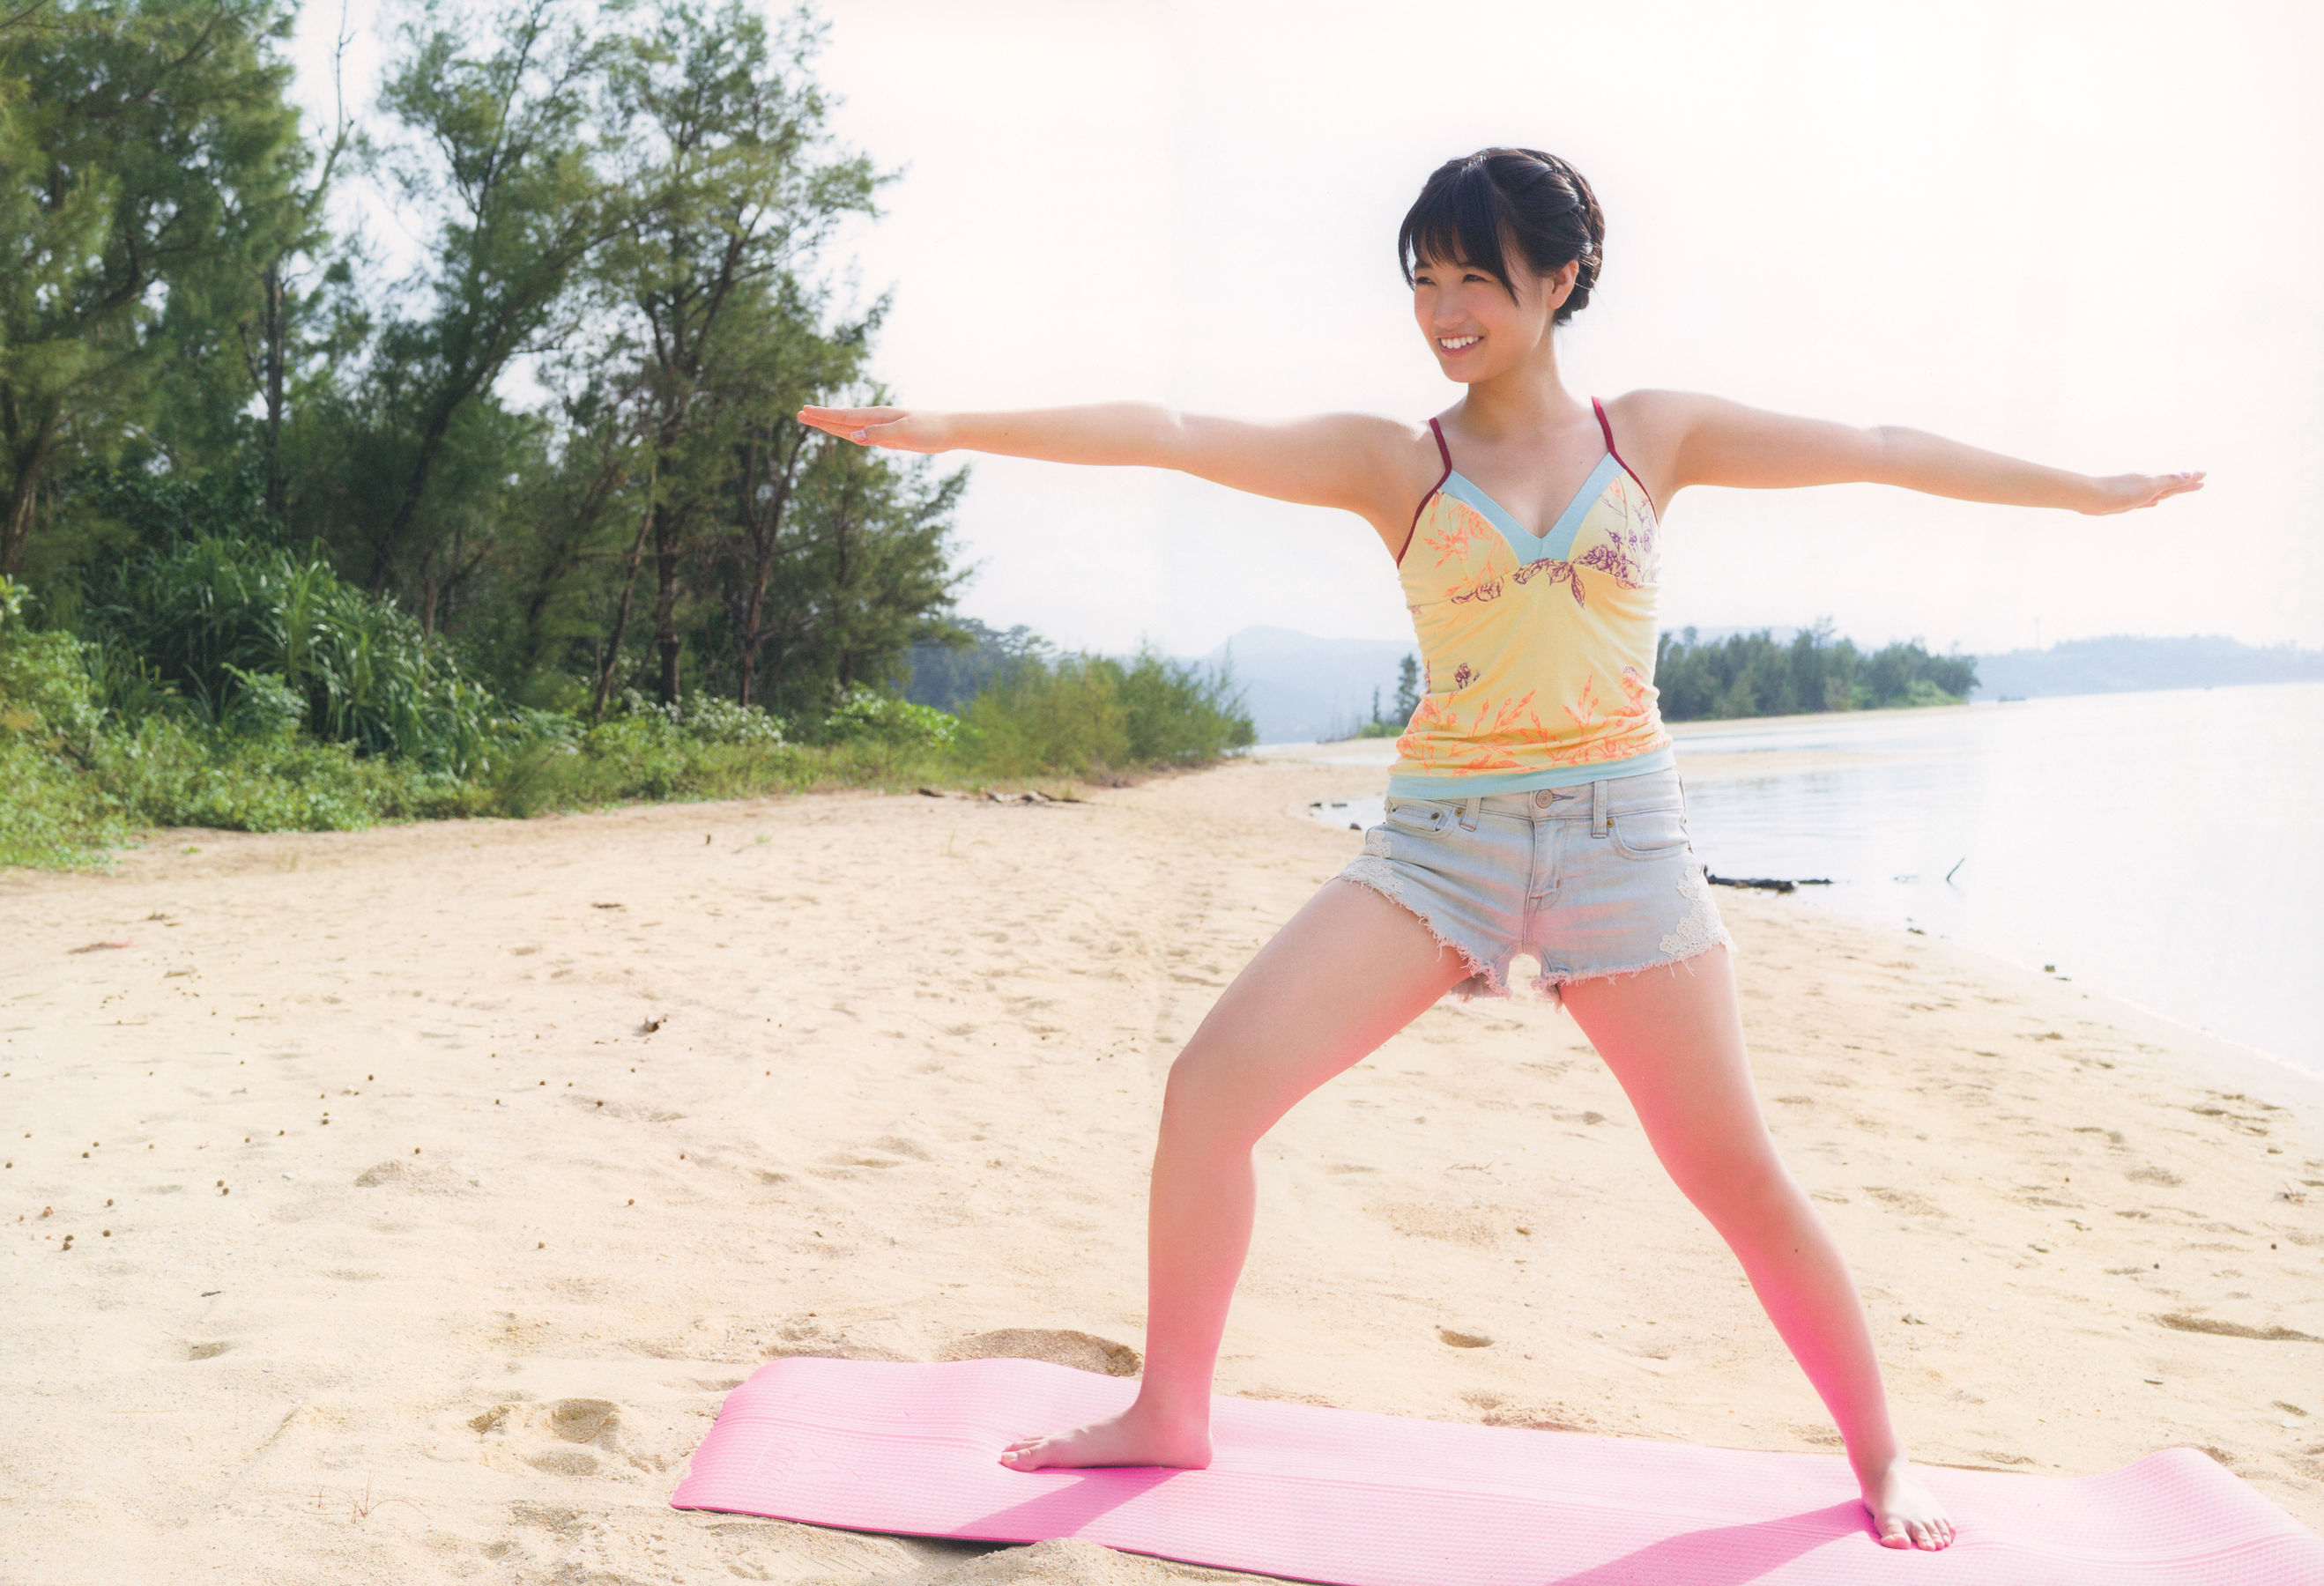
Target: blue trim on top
x=1461 y=488
x=1407 y=785
x=1557 y=545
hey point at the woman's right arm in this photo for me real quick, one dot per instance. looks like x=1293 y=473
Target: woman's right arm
x=1374 y=467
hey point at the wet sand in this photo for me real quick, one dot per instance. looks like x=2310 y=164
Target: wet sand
x=438 y=1180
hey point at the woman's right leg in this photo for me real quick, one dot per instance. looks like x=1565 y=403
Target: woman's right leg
x=1347 y=971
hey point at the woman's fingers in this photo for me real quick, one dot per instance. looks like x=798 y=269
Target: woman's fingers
x=2171 y=484
x=890 y=427
x=2126 y=493
x=849 y=423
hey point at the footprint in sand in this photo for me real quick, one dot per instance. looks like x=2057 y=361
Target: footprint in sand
x=582 y=1420
x=2180 y=1321
x=1083 y=1351
x=585 y=1426
x=435 y=1178
x=1906 y=1200
x=806 y=1335
x=1063 y=1562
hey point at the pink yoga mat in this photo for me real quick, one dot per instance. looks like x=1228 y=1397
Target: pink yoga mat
x=1374 y=1500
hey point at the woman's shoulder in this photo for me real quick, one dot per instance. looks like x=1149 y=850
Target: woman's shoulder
x=1649 y=428
x=1656 y=407
x=1653 y=422
x=1405 y=453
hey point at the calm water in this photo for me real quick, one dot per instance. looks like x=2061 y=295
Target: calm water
x=2165 y=848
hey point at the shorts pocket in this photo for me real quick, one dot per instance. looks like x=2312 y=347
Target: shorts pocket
x=1418 y=815
x=1651 y=834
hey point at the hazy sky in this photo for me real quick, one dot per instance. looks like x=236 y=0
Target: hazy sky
x=2088 y=234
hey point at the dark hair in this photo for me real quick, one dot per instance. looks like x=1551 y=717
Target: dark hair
x=1536 y=201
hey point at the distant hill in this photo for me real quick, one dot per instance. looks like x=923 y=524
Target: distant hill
x=2124 y=664
x=1299 y=688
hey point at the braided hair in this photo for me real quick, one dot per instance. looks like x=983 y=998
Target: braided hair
x=1536 y=201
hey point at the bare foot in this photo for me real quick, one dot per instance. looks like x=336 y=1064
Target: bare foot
x=1137 y=1436
x=1905 y=1514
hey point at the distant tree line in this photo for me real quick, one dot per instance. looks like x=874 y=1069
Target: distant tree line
x=2121 y=662
x=560 y=440
x=1755 y=674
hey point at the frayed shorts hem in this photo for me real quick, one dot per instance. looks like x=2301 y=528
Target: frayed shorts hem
x=1553 y=987
x=1483 y=980
x=1491 y=980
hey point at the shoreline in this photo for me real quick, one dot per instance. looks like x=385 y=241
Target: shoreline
x=621 y=1105
x=1797 y=782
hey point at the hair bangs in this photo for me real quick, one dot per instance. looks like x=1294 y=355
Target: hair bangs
x=1460 y=218
x=1479 y=210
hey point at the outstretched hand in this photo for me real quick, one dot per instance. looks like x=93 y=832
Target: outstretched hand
x=898 y=428
x=2127 y=492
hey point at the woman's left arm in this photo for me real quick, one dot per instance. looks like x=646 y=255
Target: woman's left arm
x=1706 y=440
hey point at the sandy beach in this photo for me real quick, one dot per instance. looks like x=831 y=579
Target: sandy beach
x=397 y=1207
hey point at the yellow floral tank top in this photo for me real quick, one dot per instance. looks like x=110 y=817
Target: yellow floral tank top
x=1540 y=650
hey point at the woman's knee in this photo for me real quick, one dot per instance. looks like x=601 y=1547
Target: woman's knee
x=1740 y=1178
x=1210 y=1098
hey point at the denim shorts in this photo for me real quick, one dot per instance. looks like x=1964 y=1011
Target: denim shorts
x=1588 y=880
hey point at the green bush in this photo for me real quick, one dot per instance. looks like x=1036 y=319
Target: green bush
x=168 y=772
x=1063 y=716
x=887 y=719
x=46 y=695
x=53 y=816
x=1087 y=714
x=243 y=684
x=207 y=615
x=1180 y=715
x=704 y=718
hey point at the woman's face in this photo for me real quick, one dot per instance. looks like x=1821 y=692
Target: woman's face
x=1473 y=325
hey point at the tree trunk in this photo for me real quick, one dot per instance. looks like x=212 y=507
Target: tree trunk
x=432 y=437
x=766 y=538
x=622 y=611
x=24 y=496
x=666 y=638
x=568 y=552
x=273 y=358
x=842 y=568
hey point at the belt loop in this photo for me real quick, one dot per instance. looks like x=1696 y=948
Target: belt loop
x=1468 y=813
x=1598 y=808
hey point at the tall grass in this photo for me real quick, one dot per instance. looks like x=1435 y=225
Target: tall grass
x=216 y=618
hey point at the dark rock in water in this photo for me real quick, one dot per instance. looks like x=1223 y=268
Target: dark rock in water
x=1768 y=883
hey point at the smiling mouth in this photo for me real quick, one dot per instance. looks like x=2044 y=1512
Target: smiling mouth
x=1458 y=344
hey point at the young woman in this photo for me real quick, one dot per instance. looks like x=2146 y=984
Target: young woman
x=1535 y=806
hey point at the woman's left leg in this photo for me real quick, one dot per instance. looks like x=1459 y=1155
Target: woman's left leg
x=1674 y=1038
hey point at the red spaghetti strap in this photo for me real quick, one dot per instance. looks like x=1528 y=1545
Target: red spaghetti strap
x=1607 y=430
x=1446 y=453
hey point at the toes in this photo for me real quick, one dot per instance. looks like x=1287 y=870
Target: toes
x=1892 y=1533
